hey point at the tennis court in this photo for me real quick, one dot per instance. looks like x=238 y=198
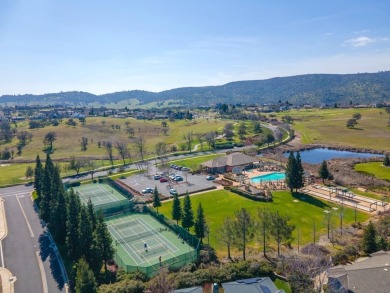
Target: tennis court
x=102 y=195
x=143 y=244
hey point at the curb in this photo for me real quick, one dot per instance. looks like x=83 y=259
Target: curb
x=7 y=280
x=4 y=228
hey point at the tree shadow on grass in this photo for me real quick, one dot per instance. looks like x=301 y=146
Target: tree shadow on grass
x=310 y=199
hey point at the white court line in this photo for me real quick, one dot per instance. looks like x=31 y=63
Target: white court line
x=126 y=244
x=25 y=217
x=109 y=194
x=14 y=194
x=158 y=235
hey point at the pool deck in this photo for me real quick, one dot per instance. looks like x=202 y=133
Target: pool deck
x=255 y=173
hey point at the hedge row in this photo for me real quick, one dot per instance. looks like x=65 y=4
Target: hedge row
x=246 y=194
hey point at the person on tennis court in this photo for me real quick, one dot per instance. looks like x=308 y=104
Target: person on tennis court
x=159 y=259
x=145 y=246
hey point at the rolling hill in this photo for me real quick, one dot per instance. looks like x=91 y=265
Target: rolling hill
x=315 y=89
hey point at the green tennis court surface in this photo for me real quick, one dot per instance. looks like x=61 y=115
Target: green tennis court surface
x=143 y=244
x=102 y=195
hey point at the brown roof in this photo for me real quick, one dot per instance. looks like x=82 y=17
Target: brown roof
x=234 y=159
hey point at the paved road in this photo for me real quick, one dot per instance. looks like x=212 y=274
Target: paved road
x=27 y=250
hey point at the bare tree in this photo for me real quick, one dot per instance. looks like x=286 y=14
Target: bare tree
x=75 y=164
x=189 y=137
x=108 y=146
x=280 y=230
x=201 y=139
x=24 y=136
x=328 y=215
x=161 y=151
x=226 y=234
x=264 y=226
x=243 y=227
x=90 y=166
x=278 y=134
x=160 y=283
x=123 y=150
x=140 y=145
x=210 y=138
x=84 y=143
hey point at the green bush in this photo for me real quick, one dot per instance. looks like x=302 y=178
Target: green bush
x=246 y=194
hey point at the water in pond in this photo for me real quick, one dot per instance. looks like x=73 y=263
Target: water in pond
x=316 y=156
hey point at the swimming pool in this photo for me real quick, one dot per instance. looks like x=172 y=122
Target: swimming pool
x=269 y=177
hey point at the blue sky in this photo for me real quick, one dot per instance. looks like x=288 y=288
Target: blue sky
x=103 y=46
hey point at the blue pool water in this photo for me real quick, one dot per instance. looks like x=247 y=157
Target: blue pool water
x=268 y=177
x=316 y=156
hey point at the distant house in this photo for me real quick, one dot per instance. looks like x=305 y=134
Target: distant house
x=253 y=285
x=227 y=163
x=189 y=290
x=368 y=275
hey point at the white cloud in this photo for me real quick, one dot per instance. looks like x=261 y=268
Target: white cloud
x=360 y=41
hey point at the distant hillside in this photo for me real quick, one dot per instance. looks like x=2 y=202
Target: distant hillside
x=315 y=89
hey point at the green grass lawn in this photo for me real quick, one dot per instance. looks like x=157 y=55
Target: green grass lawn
x=194 y=163
x=222 y=203
x=320 y=126
x=375 y=169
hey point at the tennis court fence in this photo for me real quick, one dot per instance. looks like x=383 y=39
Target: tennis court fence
x=172 y=262
x=115 y=208
x=180 y=231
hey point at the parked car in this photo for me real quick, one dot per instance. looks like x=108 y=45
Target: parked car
x=157 y=177
x=178 y=178
x=185 y=169
x=163 y=179
x=147 y=190
x=173 y=191
x=210 y=177
x=172 y=176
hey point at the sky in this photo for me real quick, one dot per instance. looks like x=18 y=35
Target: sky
x=103 y=46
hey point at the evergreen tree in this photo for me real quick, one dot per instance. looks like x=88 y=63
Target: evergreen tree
x=91 y=213
x=85 y=280
x=383 y=244
x=200 y=223
x=47 y=190
x=156 y=199
x=187 y=220
x=176 y=209
x=88 y=241
x=386 y=161
x=73 y=224
x=323 y=171
x=369 y=244
x=38 y=179
x=299 y=172
x=264 y=225
x=290 y=171
x=104 y=240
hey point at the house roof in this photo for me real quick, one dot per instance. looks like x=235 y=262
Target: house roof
x=253 y=285
x=189 y=290
x=371 y=274
x=234 y=159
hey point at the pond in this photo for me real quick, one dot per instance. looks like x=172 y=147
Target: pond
x=316 y=156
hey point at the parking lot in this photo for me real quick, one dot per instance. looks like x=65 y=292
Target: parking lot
x=190 y=183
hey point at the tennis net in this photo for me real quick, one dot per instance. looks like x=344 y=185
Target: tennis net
x=126 y=224
x=137 y=236
x=157 y=249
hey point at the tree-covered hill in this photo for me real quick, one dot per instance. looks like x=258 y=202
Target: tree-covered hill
x=315 y=89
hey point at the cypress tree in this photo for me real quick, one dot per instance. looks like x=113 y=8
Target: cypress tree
x=176 y=209
x=104 y=240
x=85 y=280
x=299 y=172
x=200 y=223
x=73 y=224
x=290 y=171
x=386 y=161
x=47 y=190
x=91 y=213
x=38 y=177
x=156 y=199
x=323 y=171
x=187 y=220
x=369 y=244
